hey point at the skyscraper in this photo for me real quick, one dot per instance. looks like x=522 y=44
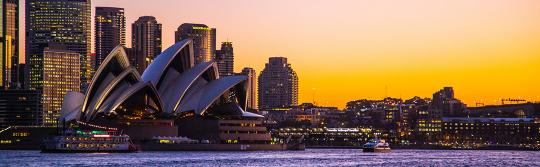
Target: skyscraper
x=146 y=41
x=60 y=75
x=204 y=40
x=9 y=40
x=225 y=59
x=65 y=22
x=110 y=31
x=278 y=85
x=252 y=87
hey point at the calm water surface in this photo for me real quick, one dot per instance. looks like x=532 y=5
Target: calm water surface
x=310 y=157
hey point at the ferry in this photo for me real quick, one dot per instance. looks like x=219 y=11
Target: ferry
x=79 y=141
x=376 y=145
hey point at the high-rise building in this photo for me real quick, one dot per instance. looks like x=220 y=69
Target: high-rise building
x=225 y=59
x=278 y=85
x=65 y=22
x=204 y=40
x=60 y=75
x=20 y=107
x=110 y=31
x=146 y=41
x=9 y=41
x=252 y=87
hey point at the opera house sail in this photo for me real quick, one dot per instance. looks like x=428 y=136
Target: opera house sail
x=173 y=97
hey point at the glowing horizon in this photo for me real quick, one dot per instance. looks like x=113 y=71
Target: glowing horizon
x=359 y=49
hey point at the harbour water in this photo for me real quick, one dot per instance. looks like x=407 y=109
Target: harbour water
x=310 y=157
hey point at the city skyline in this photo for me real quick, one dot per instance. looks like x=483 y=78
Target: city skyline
x=414 y=49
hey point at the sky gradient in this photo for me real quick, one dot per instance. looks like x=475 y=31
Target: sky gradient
x=353 y=49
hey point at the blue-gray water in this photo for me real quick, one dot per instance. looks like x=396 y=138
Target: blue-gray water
x=310 y=157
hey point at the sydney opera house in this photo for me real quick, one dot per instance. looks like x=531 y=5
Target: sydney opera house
x=173 y=97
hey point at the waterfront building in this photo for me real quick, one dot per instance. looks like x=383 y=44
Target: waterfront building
x=252 y=88
x=204 y=40
x=146 y=41
x=278 y=85
x=474 y=132
x=65 y=22
x=9 y=40
x=110 y=31
x=525 y=110
x=172 y=88
x=20 y=107
x=225 y=59
x=327 y=137
x=60 y=75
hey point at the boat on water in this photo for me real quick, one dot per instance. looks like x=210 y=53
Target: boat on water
x=376 y=145
x=90 y=141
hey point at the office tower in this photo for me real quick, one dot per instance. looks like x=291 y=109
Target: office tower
x=278 y=85
x=20 y=107
x=225 y=59
x=204 y=40
x=65 y=22
x=252 y=87
x=60 y=75
x=9 y=40
x=146 y=41
x=110 y=31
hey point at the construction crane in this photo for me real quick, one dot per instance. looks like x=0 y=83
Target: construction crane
x=515 y=101
x=480 y=104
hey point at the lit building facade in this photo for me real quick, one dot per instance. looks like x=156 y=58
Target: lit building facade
x=459 y=132
x=252 y=87
x=110 y=31
x=327 y=136
x=225 y=59
x=278 y=85
x=20 y=108
x=204 y=40
x=9 y=41
x=146 y=41
x=60 y=75
x=65 y=22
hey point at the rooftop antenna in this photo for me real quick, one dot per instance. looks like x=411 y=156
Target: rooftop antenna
x=314 y=91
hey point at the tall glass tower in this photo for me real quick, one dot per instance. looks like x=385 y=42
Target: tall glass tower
x=9 y=43
x=56 y=22
x=146 y=41
x=204 y=40
x=110 y=31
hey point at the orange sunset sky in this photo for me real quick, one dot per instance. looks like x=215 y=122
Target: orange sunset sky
x=344 y=50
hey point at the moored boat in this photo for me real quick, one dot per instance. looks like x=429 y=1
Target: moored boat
x=78 y=141
x=376 y=145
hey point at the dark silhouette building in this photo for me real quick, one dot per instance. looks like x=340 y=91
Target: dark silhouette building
x=146 y=41
x=225 y=59
x=445 y=104
x=204 y=40
x=20 y=108
x=110 y=31
x=278 y=85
